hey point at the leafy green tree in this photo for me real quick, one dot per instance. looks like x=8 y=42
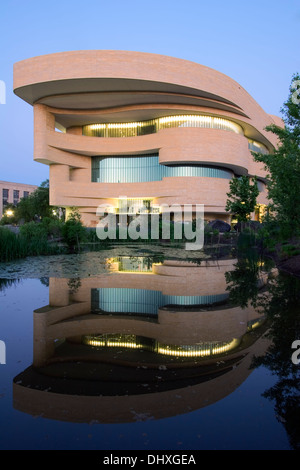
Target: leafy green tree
x=243 y=281
x=242 y=197
x=9 y=215
x=281 y=308
x=73 y=231
x=36 y=205
x=283 y=166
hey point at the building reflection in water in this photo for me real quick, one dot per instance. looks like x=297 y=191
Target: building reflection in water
x=146 y=340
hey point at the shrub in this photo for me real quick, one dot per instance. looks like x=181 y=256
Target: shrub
x=53 y=227
x=289 y=250
x=73 y=232
x=33 y=231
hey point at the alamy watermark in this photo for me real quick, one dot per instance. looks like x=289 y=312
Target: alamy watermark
x=2 y=92
x=2 y=352
x=295 y=358
x=296 y=95
x=188 y=223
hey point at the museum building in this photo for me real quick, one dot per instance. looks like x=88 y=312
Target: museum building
x=140 y=132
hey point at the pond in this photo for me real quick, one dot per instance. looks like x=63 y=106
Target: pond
x=146 y=349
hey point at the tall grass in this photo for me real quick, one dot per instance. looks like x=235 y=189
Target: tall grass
x=15 y=246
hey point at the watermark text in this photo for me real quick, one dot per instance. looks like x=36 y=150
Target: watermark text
x=187 y=223
x=296 y=95
x=295 y=358
x=2 y=92
x=2 y=352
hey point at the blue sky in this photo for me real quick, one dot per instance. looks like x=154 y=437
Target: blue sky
x=256 y=43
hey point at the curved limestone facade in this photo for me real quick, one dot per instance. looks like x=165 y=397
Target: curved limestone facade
x=157 y=130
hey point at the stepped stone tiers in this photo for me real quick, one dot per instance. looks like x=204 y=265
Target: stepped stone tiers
x=154 y=130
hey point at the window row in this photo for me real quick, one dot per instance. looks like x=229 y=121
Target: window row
x=131 y=341
x=139 y=301
x=16 y=196
x=134 y=129
x=146 y=168
x=257 y=147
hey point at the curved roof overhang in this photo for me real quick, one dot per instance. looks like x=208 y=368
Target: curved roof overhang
x=93 y=93
x=100 y=80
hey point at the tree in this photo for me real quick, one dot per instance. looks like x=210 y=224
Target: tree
x=242 y=197
x=283 y=166
x=280 y=304
x=243 y=282
x=36 y=205
x=73 y=231
x=9 y=215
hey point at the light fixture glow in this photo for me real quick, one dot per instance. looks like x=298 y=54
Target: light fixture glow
x=130 y=129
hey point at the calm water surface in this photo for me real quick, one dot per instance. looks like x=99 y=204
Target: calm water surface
x=146 y=349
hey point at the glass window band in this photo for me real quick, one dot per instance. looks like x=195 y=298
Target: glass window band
x=134 y=129
x=146 y=168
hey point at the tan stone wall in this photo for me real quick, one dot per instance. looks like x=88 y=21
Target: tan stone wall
x=97 y=64
x=69 y=314
x=120 y=81
x=70 y=171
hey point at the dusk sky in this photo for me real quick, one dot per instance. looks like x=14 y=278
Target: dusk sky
x=256 y=43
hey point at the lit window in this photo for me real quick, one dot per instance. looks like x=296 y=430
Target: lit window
x=134 y=129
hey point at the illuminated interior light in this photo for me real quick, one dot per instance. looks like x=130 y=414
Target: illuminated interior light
x=160 y=123
x=131 y=342
x=97 y=126
x=171 y=351
x=125 y=264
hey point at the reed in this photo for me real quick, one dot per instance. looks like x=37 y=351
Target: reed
x=15 y=246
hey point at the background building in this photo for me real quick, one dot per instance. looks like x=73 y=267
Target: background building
x=153 y=129
x=11 y=193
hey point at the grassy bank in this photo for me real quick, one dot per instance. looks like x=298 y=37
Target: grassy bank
x=51 y=237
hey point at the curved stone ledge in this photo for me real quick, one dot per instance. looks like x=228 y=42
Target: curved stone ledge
x=72 y=89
